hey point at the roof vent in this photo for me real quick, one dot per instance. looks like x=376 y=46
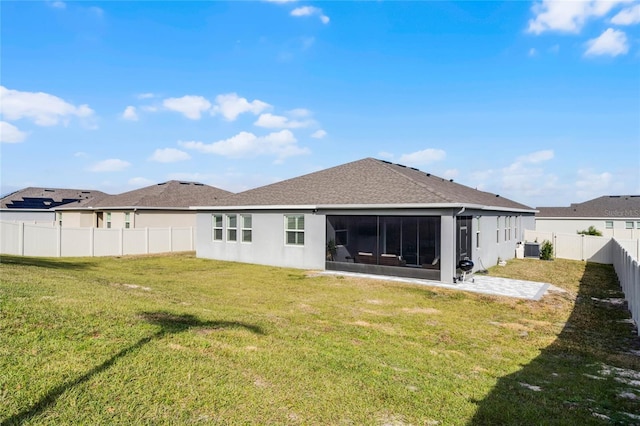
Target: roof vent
x=497 y=195
x=413 y=168
x=385 y=161
x=199 y=184
x=49 y=190
x=450 y=180
x=428 y=174
x=401 y=165
x=184 y=183
x=163 y=183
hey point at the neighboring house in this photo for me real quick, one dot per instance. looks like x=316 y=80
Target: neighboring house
x=157 y=206
x=613 y=215
x=38 y=204
x=383 y=218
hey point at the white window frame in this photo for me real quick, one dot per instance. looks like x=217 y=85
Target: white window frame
x=127 y=220
x=498 y=230
x=477 y=232
x=59 y=214
x=628 y=224
x=107 y=221
x=608 y=224
x=246 y=231
x=216 y=219
x=232 y=230
x=297 y=231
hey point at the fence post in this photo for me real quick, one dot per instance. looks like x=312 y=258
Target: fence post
x=21 y=239
x=171 y=238
x=146 y=240
x=92 y=242
x=582 y=247
x=59 y=246
x=121 y=241
x=191 y=238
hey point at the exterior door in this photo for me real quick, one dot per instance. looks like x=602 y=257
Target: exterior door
x=463 y=238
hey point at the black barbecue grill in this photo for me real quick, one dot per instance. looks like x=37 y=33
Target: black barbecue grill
x=466 y=266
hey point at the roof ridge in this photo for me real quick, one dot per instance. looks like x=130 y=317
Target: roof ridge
x=388 y=165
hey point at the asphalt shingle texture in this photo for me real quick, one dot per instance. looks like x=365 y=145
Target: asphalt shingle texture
x=368 y=181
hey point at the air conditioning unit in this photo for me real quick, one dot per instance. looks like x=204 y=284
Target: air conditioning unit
x=532 y=250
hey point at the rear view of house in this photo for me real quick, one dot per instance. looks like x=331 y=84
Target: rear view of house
x=366 y=216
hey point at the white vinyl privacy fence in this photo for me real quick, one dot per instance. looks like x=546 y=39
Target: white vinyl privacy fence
x=622 y=254
x=39 y=240
x=584 y=247
x=628 y=271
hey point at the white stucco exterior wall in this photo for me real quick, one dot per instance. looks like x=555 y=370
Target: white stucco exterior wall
x=573 y=225
x=268 y=241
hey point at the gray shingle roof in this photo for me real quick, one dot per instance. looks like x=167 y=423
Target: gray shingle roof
x=607 y=206
x=46 y=198
x=176 y=194
x=370 y=182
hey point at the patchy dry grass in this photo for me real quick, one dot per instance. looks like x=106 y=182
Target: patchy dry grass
x=175 y=339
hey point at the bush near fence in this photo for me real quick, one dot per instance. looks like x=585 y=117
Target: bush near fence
x=26 y=239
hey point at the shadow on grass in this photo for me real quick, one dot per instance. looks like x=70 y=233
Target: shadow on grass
x=42 y=262
x=169 y=324
x=565 y=384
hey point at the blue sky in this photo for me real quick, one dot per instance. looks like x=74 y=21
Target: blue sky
x=536 y=101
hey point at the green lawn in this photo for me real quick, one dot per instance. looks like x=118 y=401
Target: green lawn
x=179 y=340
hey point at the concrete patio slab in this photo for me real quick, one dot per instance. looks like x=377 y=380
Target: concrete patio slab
x=481 y=284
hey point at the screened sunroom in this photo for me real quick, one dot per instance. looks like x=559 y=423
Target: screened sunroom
x=407 y=246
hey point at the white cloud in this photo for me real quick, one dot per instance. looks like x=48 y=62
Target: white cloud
x=149 y=108
x=281 y=1
x=309 y=11
x=611 y=42
x=130 y=113
x=44 y=109
x=169 y=155
x=110 y=165
x=629 y=16
x=426 y=156
x=299 y=113
x=280 y=144
x=58 y=5
x=230 y=105
x=568 y=16
x=145 y=95
x=80 y=154
x=190 y=106
x=525 y=177
x=536 y=157
x=451 y=173
x=10 y=133
x=385 y=154
x=271 y=121
x=590 y=184
x=319 y=134
x=140 y=182
x=533 y=52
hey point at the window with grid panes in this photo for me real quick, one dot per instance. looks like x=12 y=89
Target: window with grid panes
x=294 y=229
